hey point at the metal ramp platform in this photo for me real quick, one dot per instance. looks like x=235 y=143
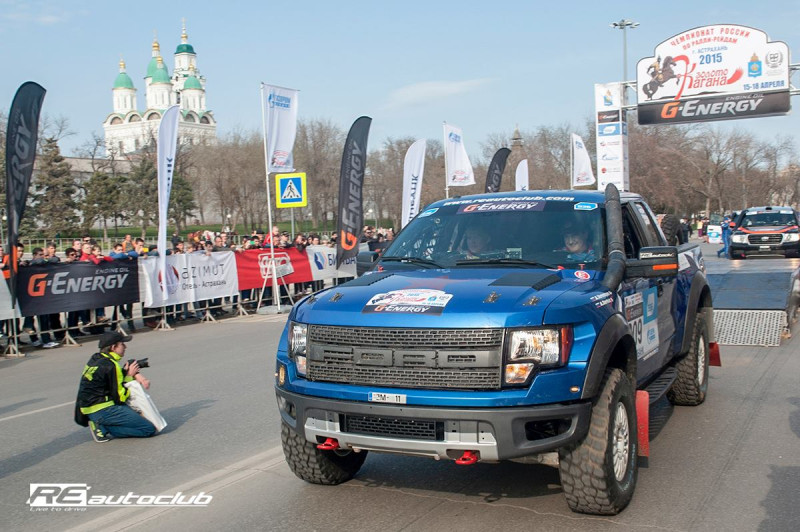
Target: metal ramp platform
x=755 y=300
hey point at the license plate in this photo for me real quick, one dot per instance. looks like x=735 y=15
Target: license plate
x=763 y=248
x=395 y=398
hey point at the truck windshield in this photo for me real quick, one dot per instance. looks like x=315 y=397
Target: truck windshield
x=521 y=231
x=768 y=218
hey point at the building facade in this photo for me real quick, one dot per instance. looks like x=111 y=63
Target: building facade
x=128 y=129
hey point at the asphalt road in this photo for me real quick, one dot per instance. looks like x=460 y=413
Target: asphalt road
x=732 y=463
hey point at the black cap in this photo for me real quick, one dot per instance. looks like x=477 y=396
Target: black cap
x=112 y=337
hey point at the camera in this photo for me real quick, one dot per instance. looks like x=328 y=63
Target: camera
x=143 y=362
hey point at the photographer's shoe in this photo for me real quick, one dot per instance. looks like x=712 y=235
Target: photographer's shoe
x=98 y=435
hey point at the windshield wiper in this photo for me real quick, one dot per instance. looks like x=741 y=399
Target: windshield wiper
x=520 y=262
x=411 y=260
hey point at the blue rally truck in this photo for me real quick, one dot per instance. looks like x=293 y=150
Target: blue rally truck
x=501 y=327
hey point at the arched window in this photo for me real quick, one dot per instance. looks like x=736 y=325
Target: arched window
x=205 y=120
x=116 y=120
x=153 y=116
x=190 y=118
x=135 y=118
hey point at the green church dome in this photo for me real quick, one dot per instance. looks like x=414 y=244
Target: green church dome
x=192 y=83
x=161 y=74
x=184 y=48
x=123 y=81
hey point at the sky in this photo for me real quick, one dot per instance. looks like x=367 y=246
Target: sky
x=485 y=67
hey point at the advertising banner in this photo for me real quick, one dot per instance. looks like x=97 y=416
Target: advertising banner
x=77 y=286
x=22 y=132
x=196 y=277
x=167 y=146
x=611 y=139
x=717 y=72
x=281 y=120
x=521 y=176
x=413 y=168
x=6 y=311
x=456 y=160
x=315 y=263
x=581 y=163
x=494 y=176
x=351 y=182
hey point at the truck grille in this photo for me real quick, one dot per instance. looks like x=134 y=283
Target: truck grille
x=760 y=240
x=442 y=359
x=413 y=377
x=412 y=429
x=406 y=338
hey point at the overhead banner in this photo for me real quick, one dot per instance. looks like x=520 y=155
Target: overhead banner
x=22 y=133
x=521 y=176
x=281 y=120
x=167 y=146
x=196 y=277
x=456 y=160
x=611 y=137
x=494 y=175
x=413 y=168
x=351 y=182
x=717 y=72
x=582 y=174
x=315 y=263
x=64 y=287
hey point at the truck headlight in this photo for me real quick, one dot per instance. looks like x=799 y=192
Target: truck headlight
x=791 y=237
x=298 y=334
x=739 y=239
x=532 y=348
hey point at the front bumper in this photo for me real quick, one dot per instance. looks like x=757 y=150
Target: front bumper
x=746 y=250
x=496 y=433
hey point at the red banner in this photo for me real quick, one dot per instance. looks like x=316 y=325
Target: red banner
x=253 y=266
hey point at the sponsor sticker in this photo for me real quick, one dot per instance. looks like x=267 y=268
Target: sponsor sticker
x=583 y=275
x=502 y=206
x=428 y=212
x=585 y=206
x=420 y=301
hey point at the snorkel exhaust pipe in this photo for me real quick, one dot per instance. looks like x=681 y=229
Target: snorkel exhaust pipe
x=616 y=247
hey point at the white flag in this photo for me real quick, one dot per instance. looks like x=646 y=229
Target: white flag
x=281 y=107
x=459 y=169
x=521 y=177
x=413 y=167
x=581 y=163
x=167 y=145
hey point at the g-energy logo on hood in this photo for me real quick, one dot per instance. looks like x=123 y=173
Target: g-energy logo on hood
x=41 y=284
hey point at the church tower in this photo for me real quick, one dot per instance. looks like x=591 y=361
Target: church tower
x=124 y=92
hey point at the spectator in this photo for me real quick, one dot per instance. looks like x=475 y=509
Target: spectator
x=127 y=244
x=726 y=236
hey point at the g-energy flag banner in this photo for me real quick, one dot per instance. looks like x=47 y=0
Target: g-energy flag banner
x=495 y=174
x=351 y=181
x=521 y=176
x=459 y=169
x=21 y=136
x=581 y=163
x=413 y=167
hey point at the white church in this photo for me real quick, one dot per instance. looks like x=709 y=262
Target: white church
x=128 y=129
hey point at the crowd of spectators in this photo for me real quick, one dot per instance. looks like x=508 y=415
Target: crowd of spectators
x=49 y=331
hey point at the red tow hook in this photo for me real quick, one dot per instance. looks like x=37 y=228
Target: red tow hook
x=330 y=444
x=468 y=458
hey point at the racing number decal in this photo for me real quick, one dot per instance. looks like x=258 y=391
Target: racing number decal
x=641 y=313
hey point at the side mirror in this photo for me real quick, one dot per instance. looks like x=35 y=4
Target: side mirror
x=364 y=261
x=660 y=261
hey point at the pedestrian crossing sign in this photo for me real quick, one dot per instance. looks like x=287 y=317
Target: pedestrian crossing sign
x=290 y=190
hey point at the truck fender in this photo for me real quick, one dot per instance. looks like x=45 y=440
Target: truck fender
x=614 y=337
x=699 y=297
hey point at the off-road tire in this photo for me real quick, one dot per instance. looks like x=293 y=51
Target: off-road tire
x=691 y=385
x=316 y=466
x=670 y=226
x=587 y=468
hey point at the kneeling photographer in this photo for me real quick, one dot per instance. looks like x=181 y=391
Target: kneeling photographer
x=102 y=393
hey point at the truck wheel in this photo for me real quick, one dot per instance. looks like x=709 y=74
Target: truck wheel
x=690 y=388
x=670 y=226
x=598 y=474
x=316 y=466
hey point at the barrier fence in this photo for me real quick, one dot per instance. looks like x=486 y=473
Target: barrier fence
x=203 y=281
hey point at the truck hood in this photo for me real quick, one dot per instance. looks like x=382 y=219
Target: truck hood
x=465 y=297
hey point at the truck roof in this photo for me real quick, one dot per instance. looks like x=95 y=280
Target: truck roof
x=594 y=196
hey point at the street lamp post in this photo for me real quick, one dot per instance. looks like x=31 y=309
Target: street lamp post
x=623 y=25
